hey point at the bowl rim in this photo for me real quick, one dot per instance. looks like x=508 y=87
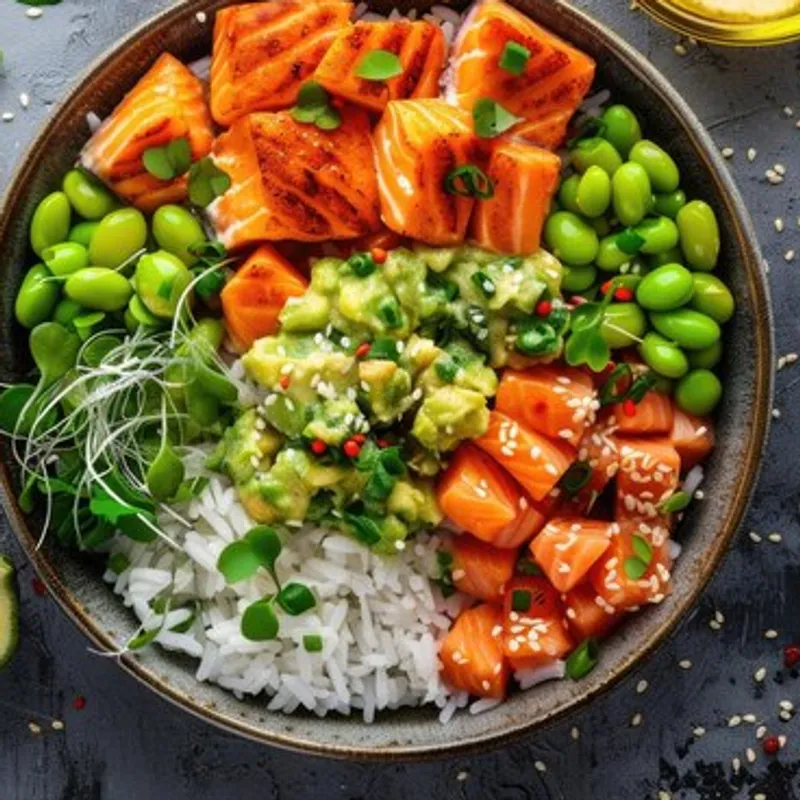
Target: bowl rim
x=763 y=336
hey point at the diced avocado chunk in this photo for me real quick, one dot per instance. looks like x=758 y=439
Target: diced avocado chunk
x=333 y=421
x=387 y=388
x=242 y=446
x=415 y=502
x=450 y=415
x=307 y=313
x=437 y=258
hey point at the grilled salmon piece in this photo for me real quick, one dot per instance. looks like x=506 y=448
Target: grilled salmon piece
x=263 y=52
x=295 y=181
x=418 y=144
x=525 y=179
x=168 y=103
x=420 y=46
x=558 y=402
x=253 y=299
x=472 y=653
x=479 y=569
x=554 y=81
x=566 y=549
x=585 y=618
x=692 y=437
x=535 y=461
x=621 y=578
x=478 y=495
x=534 y=630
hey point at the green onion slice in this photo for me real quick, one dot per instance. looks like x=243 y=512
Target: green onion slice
x=484 y=283
x=312 y=643
x=677 y=502
x=576 y=477
x=634 y=567
x=296 y=598
x=491 y=119
x=583 y=659
x=469 y=181
x=630 y=241
x=520 y=600
x=514 y=58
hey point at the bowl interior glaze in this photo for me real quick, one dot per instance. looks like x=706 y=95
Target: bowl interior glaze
x=705 y=533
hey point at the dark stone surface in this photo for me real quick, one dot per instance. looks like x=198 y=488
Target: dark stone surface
x=126 y=743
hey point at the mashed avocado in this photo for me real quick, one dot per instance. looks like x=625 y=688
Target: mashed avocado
x=377 y=373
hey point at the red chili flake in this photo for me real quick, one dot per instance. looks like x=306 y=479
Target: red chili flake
x=791 y=655
x=351 y=448
x=362 y=351
x=606 y=287
x=39 y=589
x=629 y=408
x=577 y=300
x=318 y=447
x=379 y=255
x=623 y=294
x=79 y=703
x=771 y=745
x=543 y=308
x=285 y=381
x=383 y=443
x=359 y=437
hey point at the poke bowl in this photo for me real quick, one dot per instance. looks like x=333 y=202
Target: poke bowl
x=362 y=365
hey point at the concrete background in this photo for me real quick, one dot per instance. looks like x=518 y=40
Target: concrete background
x=127 y=744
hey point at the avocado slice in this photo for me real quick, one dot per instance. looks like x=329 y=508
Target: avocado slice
x=9 y=611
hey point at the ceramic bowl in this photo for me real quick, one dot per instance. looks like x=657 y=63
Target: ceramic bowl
x=705 y=534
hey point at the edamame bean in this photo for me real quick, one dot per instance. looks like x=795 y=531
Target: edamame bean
x=140 y=315
x=594 y=192
x=631 y=193
x=660 y=234
x=160 y=279
x=595 y=152
x=669 y=204
x=570 y=239
x=176 y=230
x=707 y=358
x=623 y=324
x=600 y=225
x=66 y=311
x=83 y=232
x=65 y=258
x=119 y=235
x=87 y=195
x=568 y=194
x=610 y=257
x=99 y=289
x=673 y=256
x=622 y=128
x=686 y=327
x=699 y=233
x=698 y=392
x=50 y=222
x=712 y=297
x=578 y=279
x=659 y=165
x=37 y=297
x=663 y=356
x=665 y=288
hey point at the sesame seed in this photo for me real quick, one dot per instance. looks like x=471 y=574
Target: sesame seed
x=780 y=169
x=24 y=100
x=540 y=766
x=751 y=154
x=636 y=720
x=734 y=721
x=680 y=49
x=8 y=116
x=754 y=537
x=727 y=152
x=771 y=633
x=785 y=716
x=57 y=725
x=34 y=728
x=34 y=13
x=685 y=664
x=736 y=763
x=760 y=674
x=575 y=734
x=749 y=718
x=778 y=224
x=786 y=705
x=714 y=625
x=462 y=776
x=641 y=687
x=761 y=731
x=759 y=796
x=775 y=538
x=776 y=413
x=789 y=256
x=201 y=17
x=664 y=795
x=699 y=494
x=699 y=731
x=750 y=754
x=788 y=111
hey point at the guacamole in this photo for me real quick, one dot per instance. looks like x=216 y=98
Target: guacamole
x=378 y=372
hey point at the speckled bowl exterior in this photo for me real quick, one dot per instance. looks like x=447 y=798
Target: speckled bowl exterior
x=705 y=533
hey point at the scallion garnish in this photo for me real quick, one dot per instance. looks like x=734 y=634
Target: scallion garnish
x=389 y=311
x=525 y=566
x=313 y=108
x=677 y=502
x=634 y=568
x=484 y=283
x=260 y=622
x=207 y=182
x=491 y=119
x=362 y=264
x=446 y=369
x=312 y=642
x=170 y=161
x=629 y=241
x=296 y=598
x=583 y=659
x=514 y=58
x=379 y=65
x=642 y=549
x=576 y=477
x=469 y=181
x=520 y=600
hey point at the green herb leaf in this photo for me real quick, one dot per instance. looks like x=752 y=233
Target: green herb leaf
x=312 y=643
x=165 y=474
x=312 y=95
x=207 y=182
x=179 y=154
x=379 y=65
x=54 y=350
x=146 y=637
x=210 y=285
x=265 y=544
x=296 y=598
x=583 y=659
x=365 y=529
x=238 y=561
x=190 y=489
x=469 y=181
x=444 y=580
x=313 y=108
x=383 y=349
x=586 y=344
x=157 y=162
x=259 y=622
x=642 y=548
x=211 y=250
x=484 y=283
x=118 y=563
x=139 y=527
x=575 y=478
x=95 y=352
x=12 y=403
x=446 y=369
x=104 y=506
x=491 y=119
x=634 y=568
x=329 y=120
x=677 y=502
x=514 y=58
x=630 y=241
x=520 y=600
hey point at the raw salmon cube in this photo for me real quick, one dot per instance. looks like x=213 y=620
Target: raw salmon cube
x=295 y=181
x=692 y=437
x=167 y=104
x=586 y=617
x=420 y=47
x=649 y=471
x=418 y=144
x=264 y=52
x=479 y=569
x=652 y=415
